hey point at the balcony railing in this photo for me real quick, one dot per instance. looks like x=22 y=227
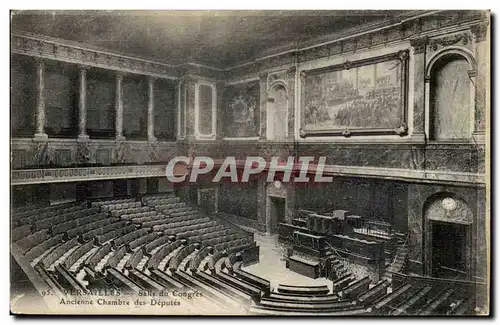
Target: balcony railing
x=55 y=175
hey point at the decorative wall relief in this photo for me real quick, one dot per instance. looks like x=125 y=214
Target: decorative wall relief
x=362 y=97
x=450 y=209
x=152 y=152
x=242 y=113
x=205 y=110
x=121 y=151
x=461 y=39
x=62 y=157
x=102 y=157
x=41 y=154
x=83 y=153
x=417 y=158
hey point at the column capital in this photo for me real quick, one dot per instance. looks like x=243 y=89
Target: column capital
x=187 y=79
x=263 y=76
x=83 y=67
x=40 y=61
x=419 y=44
x=291 y=70
x=120 y=75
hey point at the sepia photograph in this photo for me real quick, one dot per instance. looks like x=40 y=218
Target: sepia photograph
x=250 y=162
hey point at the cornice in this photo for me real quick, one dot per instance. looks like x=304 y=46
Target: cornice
x=43 y=47
x=411 y=25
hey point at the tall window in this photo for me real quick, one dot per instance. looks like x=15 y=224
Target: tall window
x=450 y=98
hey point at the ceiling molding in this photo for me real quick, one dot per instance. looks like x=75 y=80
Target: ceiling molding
x=407 y=25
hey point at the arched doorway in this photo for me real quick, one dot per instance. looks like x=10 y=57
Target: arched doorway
x=277 y=117
x=448 y=236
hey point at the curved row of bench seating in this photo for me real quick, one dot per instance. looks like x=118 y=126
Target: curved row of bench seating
x=162 y=201
x=179 y=224
x=138 y=217
x=136 y=209
x=41 y=212
x=130 y=255
x=33 y=218
x=86 y=228
x=66 y=226
x=120 y=206
x=57 y=219
x=112 y=201
x=163 y=223
x=111 y=233
x=159 y=255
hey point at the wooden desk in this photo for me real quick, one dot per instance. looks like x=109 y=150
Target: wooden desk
x=311 y=269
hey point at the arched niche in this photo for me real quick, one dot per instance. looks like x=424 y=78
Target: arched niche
x=450 y=77
x=448 y=236
x=277 y=111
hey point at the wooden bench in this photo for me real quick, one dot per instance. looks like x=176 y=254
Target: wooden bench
x=144 y=281
x=371 y=295
x=207 y=290
x=384 y=305
x=77 y=254
x=257 y=281
x=433 y=306
x=264 y=310
x=463 y=307
x=407 y=307
x=304 y=290
x=355 y=288
x=58 y=252
x=96 y=280
x=321 y=306
x=343 y=282
x=59 y=290
x=39 y=249
x=301 y=298
x=123 y=282
x=166 y=280
x=251 y=290
x=224 y=287
x=67 y=280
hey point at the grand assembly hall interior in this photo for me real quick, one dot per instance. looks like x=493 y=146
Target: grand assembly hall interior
x=394 y=104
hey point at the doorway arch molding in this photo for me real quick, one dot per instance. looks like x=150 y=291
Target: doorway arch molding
x=447 y=208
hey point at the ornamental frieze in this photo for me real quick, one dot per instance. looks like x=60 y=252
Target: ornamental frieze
x=33 y=46
x=462 y=39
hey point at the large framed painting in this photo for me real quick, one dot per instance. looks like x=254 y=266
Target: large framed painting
x=242 y=110
x=365 y=97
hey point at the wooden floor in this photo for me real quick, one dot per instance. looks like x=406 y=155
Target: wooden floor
x=272 y=265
